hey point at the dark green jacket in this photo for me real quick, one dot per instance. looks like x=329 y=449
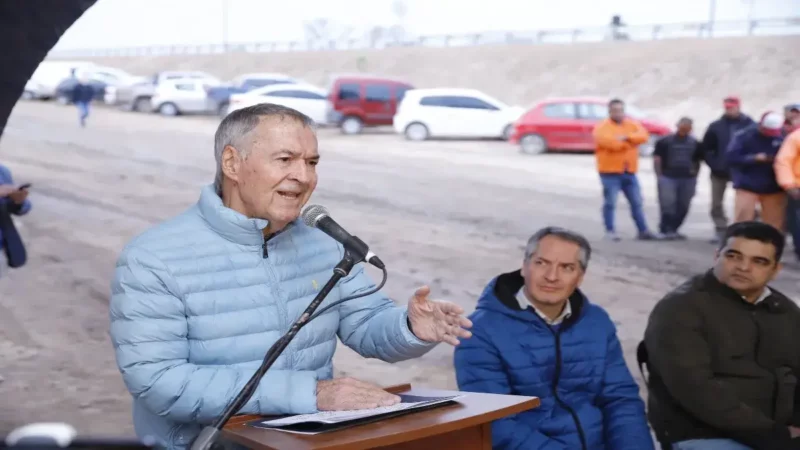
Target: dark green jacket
x=723 y=368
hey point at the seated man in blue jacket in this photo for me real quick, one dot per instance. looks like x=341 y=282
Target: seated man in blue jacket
x=750 y=156
x=536 y=334
x=199 y=299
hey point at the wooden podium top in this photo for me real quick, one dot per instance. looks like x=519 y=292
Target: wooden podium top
x=471 y=410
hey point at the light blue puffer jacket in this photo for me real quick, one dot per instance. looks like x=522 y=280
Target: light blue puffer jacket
x=196 y=304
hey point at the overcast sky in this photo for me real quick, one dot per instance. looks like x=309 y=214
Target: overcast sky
x=131 y=23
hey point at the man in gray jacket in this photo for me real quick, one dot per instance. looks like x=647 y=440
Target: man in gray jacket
x=199 y=299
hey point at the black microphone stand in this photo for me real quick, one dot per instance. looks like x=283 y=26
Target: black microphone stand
x=208 y=435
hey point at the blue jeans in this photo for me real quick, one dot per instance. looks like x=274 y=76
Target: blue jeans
x=709 y=444
x=629 y=185
x=675 y=197
x=83 y=111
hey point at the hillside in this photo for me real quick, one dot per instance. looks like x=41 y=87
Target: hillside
x=669 y=77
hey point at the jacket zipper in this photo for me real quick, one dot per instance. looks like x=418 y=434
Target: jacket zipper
x=581 y=435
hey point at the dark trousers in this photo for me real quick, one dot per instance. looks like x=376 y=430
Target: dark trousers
x=613 y=183
x=718 y=186
x=793 y=223
x=675 y=197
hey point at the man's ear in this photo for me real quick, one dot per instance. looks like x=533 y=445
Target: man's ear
x=231 y=163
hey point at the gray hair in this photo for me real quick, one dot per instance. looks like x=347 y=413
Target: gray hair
x=238 y=124
x=584 y=254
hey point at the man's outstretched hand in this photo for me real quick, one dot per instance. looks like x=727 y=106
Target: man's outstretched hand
x=436 y=321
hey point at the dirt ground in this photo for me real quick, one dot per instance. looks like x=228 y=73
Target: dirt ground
x=448 y=213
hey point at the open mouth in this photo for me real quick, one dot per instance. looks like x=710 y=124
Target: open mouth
x=289 y=195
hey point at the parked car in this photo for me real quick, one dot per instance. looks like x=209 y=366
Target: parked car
x=181 y=96
x=65 y=88
x=309 y=100
x=454 y=112
x=566 y=124
x=364 y=101
x=48 y=75
x=137 y=95
x=219 y=96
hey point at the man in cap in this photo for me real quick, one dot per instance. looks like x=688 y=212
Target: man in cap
x=750 y=156
x=715 y=141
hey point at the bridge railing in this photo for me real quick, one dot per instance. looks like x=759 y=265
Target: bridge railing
x=763 y=27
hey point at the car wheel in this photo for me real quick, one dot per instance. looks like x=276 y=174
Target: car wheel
x=27 y=95
x=352 y=125
x=507 y=132
x=649 y=147
x=142 y=104
x=417 y=132
x=168 y=109
x=532 y=144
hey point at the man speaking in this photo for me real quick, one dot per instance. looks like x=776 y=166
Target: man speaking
x=198 y=300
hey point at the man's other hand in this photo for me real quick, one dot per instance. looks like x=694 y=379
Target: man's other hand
x=436 y=321
x=794 y=432
x=18 y=196
x=341 y=394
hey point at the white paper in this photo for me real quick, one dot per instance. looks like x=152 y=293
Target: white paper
x=332 y=417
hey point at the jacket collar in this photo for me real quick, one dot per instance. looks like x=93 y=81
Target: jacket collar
x=508 y=285
x=230 y=224
x=774 y=302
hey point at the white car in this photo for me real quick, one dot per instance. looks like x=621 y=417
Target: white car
x=309 y=100
x=452 y=112
x=182 y=96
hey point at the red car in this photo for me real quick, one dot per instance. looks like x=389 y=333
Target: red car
x=566 y=124
x=360 y=101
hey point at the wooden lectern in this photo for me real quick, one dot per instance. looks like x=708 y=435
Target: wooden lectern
x=465 y=425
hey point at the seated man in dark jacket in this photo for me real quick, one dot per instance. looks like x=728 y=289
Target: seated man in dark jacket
x=751 y=156
x=724 y=352
x=536 y=334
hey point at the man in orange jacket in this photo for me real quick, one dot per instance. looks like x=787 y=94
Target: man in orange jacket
x=617 y=140
x=787 y=172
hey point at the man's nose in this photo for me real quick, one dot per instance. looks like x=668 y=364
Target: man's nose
x=301 y=172
x=551 y=274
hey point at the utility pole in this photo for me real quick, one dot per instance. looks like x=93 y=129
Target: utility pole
x=225 y=26
x=712 y=15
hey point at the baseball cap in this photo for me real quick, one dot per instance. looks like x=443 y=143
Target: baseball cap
x=793 y=107
x=731 y=100
x=771 y=124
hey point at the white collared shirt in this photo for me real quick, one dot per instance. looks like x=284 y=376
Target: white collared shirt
x=524 y=304
x=767 y=292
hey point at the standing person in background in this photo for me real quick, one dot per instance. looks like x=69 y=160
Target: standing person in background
x=617 y=140
x=13 y=201
x=714 y=144
x=791 y=118
x=82 y=95
x=787 y=172
x=676 y=162
x=750 y=156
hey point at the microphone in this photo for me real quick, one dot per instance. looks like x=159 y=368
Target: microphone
x=316 y=216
